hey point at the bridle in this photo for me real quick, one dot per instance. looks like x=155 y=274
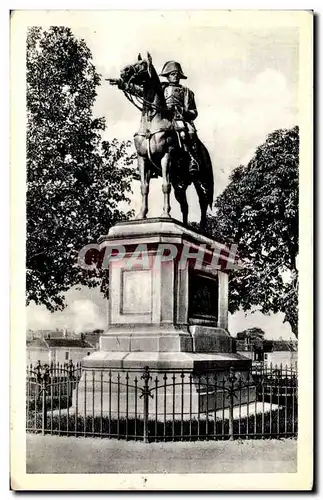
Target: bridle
x=140 y=99
x=139 y=102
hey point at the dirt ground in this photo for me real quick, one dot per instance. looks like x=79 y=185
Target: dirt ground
x=53 y=454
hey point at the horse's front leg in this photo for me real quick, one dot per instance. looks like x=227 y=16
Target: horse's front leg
x=166 y=186
x=144 y=187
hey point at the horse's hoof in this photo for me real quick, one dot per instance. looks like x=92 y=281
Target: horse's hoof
x=165 y=215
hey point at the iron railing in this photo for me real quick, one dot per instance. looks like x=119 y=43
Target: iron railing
x=152 y=405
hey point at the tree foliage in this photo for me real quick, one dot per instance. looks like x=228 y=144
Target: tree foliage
x=253 y=333
x=75 y=180
x=259 y=212
x=254 y=336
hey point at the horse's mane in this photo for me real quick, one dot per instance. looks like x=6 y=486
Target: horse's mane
x=157 y=85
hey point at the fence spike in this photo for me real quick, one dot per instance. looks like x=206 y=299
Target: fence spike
x=269 y=384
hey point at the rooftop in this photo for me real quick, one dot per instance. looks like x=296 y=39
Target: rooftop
x=59 y=342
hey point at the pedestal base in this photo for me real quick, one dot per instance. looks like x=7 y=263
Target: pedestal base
x=169 y=314
x=182 y=385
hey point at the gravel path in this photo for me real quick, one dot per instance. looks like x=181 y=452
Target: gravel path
x=54 y=454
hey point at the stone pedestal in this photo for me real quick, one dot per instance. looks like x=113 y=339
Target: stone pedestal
x=170 y=315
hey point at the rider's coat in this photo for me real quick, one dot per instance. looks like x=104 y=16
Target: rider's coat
x=181 y=99
x=178 y=98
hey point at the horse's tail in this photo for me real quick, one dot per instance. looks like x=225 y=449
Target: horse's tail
x=206 y=172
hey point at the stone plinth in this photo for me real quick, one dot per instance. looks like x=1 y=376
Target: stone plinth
x=168 y=315
x=182 y=385
x=154 y=306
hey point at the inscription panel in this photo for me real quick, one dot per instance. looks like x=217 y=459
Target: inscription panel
x=203 y=297
x=136 y=292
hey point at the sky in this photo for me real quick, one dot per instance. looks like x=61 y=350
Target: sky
x=246 y=85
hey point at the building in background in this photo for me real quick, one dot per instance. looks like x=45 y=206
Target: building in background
x=93 y=338
x=53 y=334
x=58 y=349
x=275 y=352
x=283 y=352
x=37 y=350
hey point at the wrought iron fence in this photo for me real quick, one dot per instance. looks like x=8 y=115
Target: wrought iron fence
x=152 y=405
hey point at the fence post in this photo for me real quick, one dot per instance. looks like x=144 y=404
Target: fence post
x=43 y=377
x=232 y=380
x=146 y=394
x=37 y=389
x=44 y=407
x=70 y=379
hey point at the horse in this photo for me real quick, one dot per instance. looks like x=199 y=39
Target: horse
x=158 y=147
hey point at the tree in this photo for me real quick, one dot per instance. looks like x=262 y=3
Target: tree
x=254 y=336
x=251 y=334
x=259 y=212
x=75 y=180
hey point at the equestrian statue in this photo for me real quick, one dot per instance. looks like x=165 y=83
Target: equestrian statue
x=167 y=144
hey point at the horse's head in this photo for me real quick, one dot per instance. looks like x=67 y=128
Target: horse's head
x=138 y=73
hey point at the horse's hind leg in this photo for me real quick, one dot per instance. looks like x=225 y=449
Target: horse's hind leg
x=144 y=187
x=203 y=200
x=180 y=195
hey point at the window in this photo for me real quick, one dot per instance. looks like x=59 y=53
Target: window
x=66 y=355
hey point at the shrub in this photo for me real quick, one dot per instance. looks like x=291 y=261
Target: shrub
x=54 y=403
x=280 y=423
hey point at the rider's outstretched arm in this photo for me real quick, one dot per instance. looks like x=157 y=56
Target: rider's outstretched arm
x=133 y=89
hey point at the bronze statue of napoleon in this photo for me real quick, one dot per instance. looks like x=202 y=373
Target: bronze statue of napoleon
x=167 y=144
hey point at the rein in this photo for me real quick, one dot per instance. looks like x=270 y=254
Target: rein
x=155 y=107
x=130 y=98
x=148 y=136
x=142 y=100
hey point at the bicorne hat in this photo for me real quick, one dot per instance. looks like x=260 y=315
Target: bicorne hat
x=171 y=66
